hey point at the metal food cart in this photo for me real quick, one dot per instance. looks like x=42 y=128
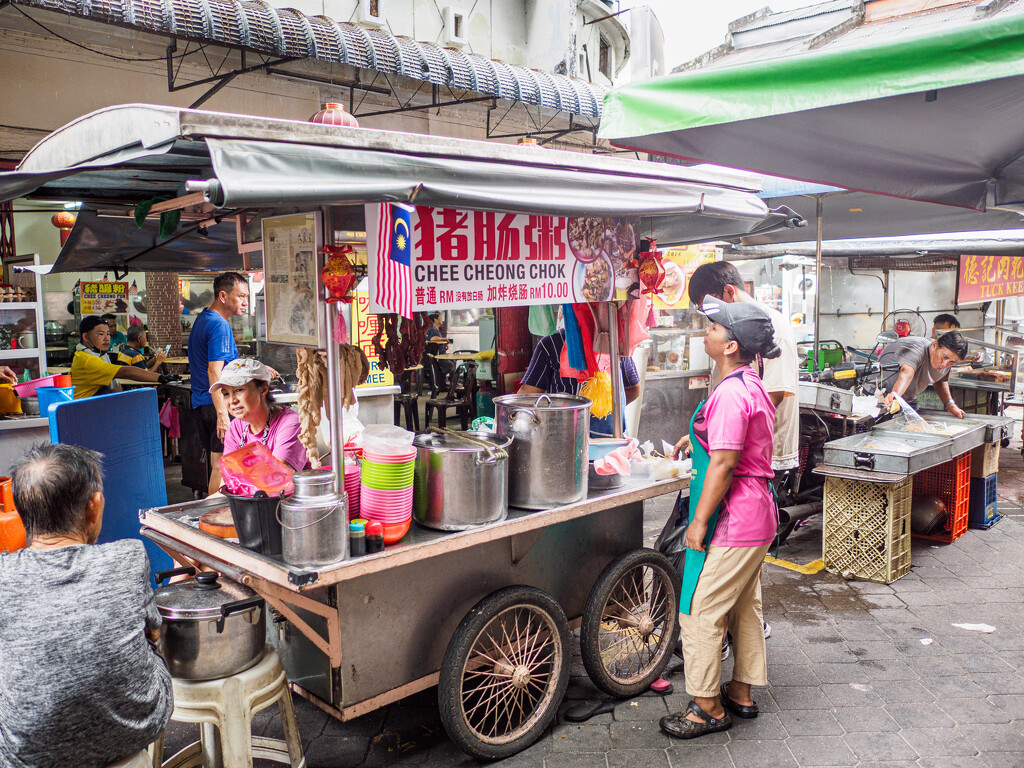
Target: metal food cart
x=484 y=613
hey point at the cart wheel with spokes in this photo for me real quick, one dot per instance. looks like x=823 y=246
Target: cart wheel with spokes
x=504 y=673
x=630 y=623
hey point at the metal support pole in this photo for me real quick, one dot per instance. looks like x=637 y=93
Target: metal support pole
x=337 y=421
x=885 y=298
x=613 y=350
x=817 y=279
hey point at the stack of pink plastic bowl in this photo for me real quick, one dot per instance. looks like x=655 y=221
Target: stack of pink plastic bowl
x=385 y=492
x=352 y=489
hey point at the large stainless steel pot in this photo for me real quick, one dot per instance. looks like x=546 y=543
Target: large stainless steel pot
x=211 y=628
x=548 y=455
x=461 y=480
x=314 y=521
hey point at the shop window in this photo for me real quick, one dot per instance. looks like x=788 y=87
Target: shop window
x=604 y=61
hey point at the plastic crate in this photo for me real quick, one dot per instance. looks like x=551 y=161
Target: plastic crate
x=983 y=508
x=951 y=482
x=867 y=529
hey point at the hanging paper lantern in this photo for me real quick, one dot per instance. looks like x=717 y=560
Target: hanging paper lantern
x=650 y=270
x=333 y=113
x=338 y=275
x=64 y=221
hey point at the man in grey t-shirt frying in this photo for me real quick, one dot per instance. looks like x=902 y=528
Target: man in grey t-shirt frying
x=914 y=363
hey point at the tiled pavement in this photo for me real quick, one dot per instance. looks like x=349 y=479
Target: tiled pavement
x=851 y=682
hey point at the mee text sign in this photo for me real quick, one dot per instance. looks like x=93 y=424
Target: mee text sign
x=989 y=278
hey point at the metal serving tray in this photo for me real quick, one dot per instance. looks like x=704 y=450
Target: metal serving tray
x=821 y=397
x=997 y=427
x=903 y=454
x=972 y=432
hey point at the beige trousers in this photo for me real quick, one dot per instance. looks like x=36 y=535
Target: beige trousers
x=728 y=597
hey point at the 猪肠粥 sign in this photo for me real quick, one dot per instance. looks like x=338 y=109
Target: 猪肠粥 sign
x=989 y=278
x=104 y=297
x=423 y=258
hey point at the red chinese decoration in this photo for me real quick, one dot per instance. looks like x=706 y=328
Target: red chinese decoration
x=338 y=274
x=64 y=221
x=333 y=113
x=650 y=270
x=902 y=328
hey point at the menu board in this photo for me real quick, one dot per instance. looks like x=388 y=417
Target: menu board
x=989 y=278
x=292 y=247
x=364 y=327
x=423 y=258
x=679 y=264
x=100 y=298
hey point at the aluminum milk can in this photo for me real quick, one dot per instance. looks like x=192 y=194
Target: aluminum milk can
x=314 y=521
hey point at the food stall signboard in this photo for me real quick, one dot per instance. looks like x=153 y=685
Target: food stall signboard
x=104 y=297
x=679 y=264
x=292 y=260
x=364 y=327
x=988 y=278
x=423 y=258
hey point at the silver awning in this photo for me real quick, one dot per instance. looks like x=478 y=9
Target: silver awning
x=127 y=154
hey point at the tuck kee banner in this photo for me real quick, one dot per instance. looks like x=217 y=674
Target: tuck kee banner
x=423 y=258
x=988 y=278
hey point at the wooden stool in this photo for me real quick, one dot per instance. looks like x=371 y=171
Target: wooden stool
x=224 y=708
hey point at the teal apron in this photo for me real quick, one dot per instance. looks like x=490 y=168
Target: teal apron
x=694 y=563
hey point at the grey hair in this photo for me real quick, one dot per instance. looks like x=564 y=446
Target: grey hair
x=52 y=487
x=134 y=332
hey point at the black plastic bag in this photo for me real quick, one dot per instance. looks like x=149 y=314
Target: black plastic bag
x=672 y=541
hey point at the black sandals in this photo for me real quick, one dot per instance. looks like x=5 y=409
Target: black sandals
x=678 y=726
x=740 y=710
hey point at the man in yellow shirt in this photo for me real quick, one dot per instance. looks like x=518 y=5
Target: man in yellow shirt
x=91 y=374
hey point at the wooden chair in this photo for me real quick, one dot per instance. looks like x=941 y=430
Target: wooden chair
x=460 y=396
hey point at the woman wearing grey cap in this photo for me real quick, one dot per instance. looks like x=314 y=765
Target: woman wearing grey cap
x=732 y=521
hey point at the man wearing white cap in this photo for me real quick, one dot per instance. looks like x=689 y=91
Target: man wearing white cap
x=245 y=386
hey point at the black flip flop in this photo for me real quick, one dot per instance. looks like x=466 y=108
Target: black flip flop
x=585 y=710
x=748 y=712
x=678 y=726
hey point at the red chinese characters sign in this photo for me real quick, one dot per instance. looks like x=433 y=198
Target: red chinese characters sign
x=364 y=327
x=989 y=278
x=462 y=259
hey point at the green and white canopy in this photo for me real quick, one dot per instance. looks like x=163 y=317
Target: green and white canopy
x=936 y=118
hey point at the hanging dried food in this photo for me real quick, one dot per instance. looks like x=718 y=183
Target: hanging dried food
x=354 y=369
x=312 y=375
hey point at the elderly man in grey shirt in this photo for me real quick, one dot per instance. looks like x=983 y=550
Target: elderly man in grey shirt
x=912 y=364
x=80 y=682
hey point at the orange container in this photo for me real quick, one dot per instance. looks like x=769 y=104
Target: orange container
x=9 y=401
x=12 y=532
x=394 y=533
x=63 y=380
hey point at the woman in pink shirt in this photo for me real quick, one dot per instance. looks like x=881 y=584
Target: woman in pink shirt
x=246 y=386
x=733 y=519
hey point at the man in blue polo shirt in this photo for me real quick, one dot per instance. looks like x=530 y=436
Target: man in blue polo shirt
x=211 y=345
x=544 y=375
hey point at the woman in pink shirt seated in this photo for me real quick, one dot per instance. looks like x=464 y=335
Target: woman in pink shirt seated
x=733 y=518
x=245 y=384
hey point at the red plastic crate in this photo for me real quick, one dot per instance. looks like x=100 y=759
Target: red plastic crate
x=951 y=482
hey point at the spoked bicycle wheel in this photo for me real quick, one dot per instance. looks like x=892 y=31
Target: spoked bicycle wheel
x=504 y=673
x=630 y=623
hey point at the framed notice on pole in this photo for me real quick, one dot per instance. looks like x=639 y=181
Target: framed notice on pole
x=989 y=278
x=292 y=260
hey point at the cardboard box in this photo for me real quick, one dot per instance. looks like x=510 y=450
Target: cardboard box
x=985 y=460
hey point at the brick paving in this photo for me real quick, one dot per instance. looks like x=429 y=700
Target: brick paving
x=851 y=682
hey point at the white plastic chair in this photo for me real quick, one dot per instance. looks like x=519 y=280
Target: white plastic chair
x=224 y=708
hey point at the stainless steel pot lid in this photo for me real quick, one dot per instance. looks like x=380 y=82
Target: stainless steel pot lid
x=442 y=441
x=201 y=597
x=313 y=482
x=543 y=402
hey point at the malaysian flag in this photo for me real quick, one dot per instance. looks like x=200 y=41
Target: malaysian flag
x=394 y=257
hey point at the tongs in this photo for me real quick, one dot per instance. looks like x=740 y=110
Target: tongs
x=494 y=453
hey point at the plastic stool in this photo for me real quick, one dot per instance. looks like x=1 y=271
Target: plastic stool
x=229 y=703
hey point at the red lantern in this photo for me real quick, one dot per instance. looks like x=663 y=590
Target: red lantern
x=650 y=270
x=333 y=113
x=338 y=274
x=902 y=328
x=64 y=221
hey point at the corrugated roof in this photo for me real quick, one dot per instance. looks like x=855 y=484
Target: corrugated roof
x=797 y=14
x=257 y=26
